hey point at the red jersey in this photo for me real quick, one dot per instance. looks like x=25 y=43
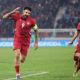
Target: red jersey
x=78 y=27
x=23 y=28
x=78 y=45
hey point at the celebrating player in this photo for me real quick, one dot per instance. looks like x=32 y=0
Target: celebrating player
x=23 y=24
x=77 y=51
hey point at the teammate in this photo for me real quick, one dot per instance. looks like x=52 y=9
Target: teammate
x=23 y=24
x=77 y=51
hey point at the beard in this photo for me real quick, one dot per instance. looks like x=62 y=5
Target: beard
x=24 y=17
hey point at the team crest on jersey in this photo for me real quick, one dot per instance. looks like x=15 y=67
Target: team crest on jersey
x=23 y=24
x=28 y=23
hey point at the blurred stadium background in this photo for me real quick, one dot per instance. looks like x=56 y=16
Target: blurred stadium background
x=57 y=21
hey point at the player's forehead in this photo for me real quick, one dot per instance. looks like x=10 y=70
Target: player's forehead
x=26 y=10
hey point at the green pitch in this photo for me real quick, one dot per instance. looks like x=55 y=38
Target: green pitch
x=57 y=62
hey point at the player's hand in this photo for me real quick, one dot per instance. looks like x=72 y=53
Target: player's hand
x=36 y=46
x=70 y=43
x=16 y=10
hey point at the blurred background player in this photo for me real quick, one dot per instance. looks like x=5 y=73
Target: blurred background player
x=33 y=40
x=23 y=24
x=77 y=51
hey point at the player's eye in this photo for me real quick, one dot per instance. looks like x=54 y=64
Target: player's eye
x=28 y=12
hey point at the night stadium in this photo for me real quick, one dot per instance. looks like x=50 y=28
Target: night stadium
x=59 y=26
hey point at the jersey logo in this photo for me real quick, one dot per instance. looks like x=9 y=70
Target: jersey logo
x=28 y=23
x=23 y=24
x=20 y=20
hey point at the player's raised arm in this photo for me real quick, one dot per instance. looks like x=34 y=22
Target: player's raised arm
x=74 y=37
x=7 y=15
x=36 y=36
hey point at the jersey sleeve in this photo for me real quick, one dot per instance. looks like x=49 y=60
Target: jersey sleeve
x=78 y=27
x=33 y=22
x=15 y=17
x=34 y=25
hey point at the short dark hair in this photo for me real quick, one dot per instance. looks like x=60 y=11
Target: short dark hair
x=29 y=8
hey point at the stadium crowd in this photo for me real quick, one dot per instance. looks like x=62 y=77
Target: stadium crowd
x=44 y=11
x=71 y=17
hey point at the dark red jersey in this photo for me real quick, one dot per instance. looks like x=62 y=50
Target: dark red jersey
x=23 y=28
x=78 y=45
x=78 y=27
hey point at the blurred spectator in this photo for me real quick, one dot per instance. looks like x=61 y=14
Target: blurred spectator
x=44 y=11
x=71 y=18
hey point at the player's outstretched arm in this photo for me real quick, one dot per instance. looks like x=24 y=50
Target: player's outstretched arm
x=6 y=16
x=74 y=37
x=36 y=38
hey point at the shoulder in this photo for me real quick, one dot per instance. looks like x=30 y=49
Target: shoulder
x=78 y=24
x=33 y=21
x=31 y=18
x=16 y=15
x=78 y=27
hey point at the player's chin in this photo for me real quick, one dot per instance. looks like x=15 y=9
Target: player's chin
x=24 y=16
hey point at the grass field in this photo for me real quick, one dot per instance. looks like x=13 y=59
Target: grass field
x=56 y=61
